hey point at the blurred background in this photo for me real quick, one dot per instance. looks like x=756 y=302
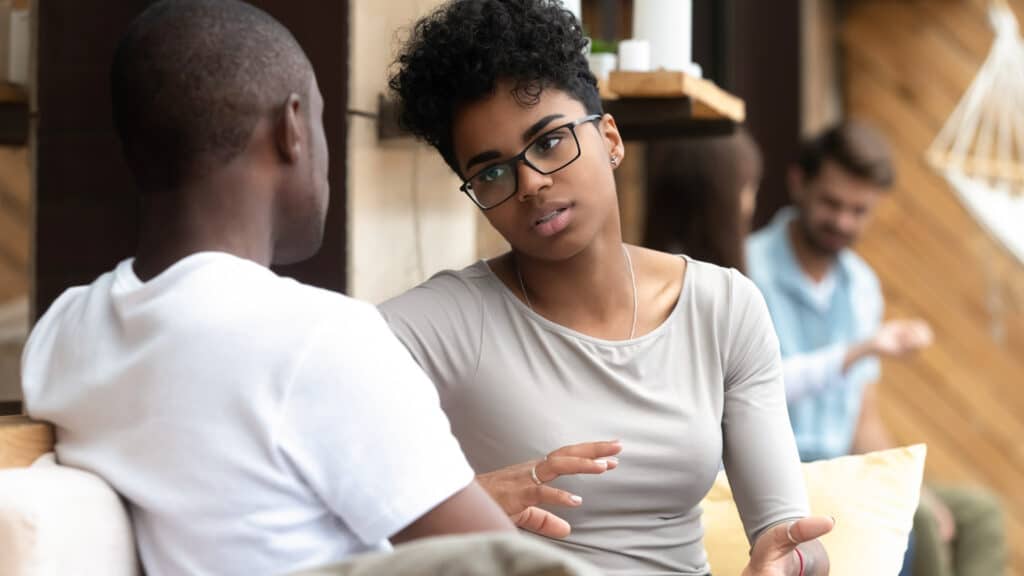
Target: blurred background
x=67 y=211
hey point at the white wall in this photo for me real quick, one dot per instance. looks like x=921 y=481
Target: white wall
x=407 y=218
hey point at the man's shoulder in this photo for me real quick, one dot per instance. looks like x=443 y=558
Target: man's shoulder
x=68 y=307
x=761 y=253
x=246 y=291
x=760 y=239
x=299 y=295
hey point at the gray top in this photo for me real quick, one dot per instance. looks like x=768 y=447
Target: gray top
x=703 y=388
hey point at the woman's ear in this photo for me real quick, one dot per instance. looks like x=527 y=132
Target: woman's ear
x=612 y=140
x=288 y=132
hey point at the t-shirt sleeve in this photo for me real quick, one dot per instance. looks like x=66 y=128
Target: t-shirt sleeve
x=440 y=322
x=759 y=451
x=363 y=427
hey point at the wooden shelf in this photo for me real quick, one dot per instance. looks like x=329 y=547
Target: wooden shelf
x=667 y=104
x=707 y=101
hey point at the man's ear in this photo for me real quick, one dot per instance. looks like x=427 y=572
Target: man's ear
x=288 y=132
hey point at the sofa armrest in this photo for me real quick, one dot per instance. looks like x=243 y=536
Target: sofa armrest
x=22 y=440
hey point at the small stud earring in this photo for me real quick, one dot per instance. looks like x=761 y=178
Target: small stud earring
x=615 y=160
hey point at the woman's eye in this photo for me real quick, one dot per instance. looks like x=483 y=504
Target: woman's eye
x=493 y=173
x=548 y=143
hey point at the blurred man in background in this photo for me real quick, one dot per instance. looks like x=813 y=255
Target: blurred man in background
x=827 y=307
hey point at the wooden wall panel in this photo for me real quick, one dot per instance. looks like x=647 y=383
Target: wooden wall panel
x=906 y=64
x=15 y=220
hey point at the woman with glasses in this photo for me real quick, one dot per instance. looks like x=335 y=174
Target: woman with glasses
x=573 y=346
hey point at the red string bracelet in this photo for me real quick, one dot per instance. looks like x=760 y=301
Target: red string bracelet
x=800 y=555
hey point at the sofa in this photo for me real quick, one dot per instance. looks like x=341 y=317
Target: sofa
x=56 y=520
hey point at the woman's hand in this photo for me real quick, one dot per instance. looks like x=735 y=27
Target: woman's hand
x=773 y=553
x=518 y=493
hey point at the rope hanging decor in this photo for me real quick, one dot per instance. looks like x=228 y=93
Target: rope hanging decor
x=980 y=149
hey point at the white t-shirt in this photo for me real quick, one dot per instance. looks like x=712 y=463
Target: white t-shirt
x=255 y=425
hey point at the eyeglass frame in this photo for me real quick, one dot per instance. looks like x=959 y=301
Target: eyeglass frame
x=514 y=161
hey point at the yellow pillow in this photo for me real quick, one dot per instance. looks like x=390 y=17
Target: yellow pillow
x=873 y=498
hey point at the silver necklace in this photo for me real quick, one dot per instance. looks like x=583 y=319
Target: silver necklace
x=632 y=279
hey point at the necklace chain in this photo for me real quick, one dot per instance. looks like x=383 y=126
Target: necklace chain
x=632 y=279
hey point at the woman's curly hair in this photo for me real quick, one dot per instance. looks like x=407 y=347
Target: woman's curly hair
x=458 y=53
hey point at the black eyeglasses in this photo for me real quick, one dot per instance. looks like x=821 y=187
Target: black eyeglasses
x=547 y=154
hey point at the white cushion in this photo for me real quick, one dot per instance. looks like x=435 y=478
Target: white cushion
x=56 y=520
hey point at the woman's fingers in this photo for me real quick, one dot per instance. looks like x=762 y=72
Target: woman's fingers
x=550 y=496
x=584 y=458
x=542 y=522
x=811 y=528
x=590 y=450
x=521 y=487
x=780 y=540
x=555 y=466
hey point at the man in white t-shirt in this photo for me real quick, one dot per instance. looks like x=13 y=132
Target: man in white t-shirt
x=254 y=425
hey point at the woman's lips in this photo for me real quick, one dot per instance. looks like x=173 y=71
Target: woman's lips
x=553 y=221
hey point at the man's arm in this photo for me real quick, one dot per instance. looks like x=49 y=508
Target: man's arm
x=807 y=374
x=468 y=510
x=362 y=427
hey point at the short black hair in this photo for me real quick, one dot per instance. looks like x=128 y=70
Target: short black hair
x=458 y=54
x=191 y=78
x=856 y=147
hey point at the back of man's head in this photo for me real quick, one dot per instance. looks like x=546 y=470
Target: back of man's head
x=190 y=80
x=856 y=147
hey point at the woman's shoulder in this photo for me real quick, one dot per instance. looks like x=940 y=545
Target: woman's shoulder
x=702 y=279
x=714 y=291
x=445 y=290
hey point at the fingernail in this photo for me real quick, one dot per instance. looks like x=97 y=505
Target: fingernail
x=601 y=462
x=576 y=499
x=613 y=460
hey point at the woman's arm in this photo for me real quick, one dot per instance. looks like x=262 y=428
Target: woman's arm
x=759 y=451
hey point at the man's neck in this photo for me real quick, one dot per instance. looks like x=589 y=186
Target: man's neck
x=813 y=262
x=213 y=216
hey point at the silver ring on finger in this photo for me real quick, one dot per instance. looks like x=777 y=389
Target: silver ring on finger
x=789 y=534
x=533 y=474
